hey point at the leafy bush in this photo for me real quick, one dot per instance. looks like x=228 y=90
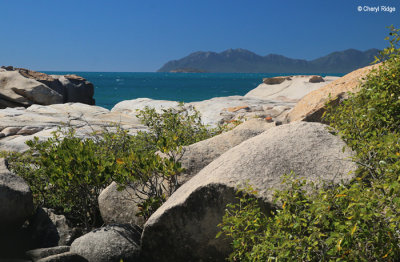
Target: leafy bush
x=67 y=173
x=357 y=221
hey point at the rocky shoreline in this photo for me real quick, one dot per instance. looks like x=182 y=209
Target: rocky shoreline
x=276 y=137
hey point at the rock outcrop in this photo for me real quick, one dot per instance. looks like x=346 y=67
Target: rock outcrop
x=21 y=124
x=187 y=222
x=312 y=106
x=23 y=87
x=215 y=111
x=110 y=243
x=17 y=90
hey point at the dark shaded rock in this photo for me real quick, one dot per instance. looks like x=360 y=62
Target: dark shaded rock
x=77 y=89
x=48 y=229
x=108 y=244
x=8 y=68
x=16 y=203
x=187 y=231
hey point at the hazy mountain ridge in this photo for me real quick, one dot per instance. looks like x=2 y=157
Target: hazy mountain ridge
x=244 y=61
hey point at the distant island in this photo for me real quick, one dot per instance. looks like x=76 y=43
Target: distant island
x=187 y=70
x=244 y=61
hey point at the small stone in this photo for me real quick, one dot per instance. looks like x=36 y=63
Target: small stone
x=269 y=119
x=316 y=79
x=276 y=80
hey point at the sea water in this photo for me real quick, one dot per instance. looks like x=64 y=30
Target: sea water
x=114 y=87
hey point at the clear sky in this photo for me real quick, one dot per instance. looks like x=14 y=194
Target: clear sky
x=130 y=35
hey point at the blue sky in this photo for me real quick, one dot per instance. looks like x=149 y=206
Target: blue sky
x=140 y=36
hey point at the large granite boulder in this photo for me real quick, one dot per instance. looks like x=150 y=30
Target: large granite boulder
x=109 y=244
x=196 y=156
x=187 y=222
x=16 y=204
x=17 y=90
x=312 y=106
x=24 y=87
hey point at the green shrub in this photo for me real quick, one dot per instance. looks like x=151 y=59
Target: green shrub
x=369 y=120
x=67 y=173
x=356 y=221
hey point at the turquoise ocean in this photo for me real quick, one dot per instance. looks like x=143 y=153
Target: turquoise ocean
x=114 y=87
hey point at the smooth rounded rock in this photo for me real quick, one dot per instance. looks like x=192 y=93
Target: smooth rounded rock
x=109 y=244
x=187 y=222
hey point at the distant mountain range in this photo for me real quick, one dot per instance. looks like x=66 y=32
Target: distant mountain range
x=244 y=61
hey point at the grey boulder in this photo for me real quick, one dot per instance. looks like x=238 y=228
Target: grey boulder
x=16 y=203
x=108 y=244
x=119 y=206
x=196 y=156
x=187 y=222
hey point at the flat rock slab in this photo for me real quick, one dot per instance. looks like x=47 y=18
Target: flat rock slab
x=20 y=124
x=290 y=88
x=187 y=222
x=214 y=111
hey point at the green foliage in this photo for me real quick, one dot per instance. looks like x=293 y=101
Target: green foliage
x=337 y=223
x=67 y=173
x=174 y=127
x=369 y=120
x=354 y=221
